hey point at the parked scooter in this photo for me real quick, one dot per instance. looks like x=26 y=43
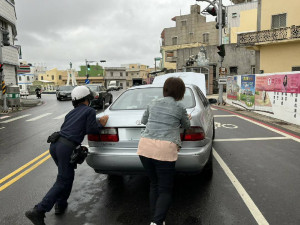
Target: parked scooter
x=38 y=93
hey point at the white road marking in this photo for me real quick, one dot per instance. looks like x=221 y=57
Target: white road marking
x=229 y=126
x=258 y=216
x=3 y=117
x=60 y=117
x=16 y=118
x=225 y=115
x=2 y=128
x=272 y=129
x=252 y=139
x=39 y=117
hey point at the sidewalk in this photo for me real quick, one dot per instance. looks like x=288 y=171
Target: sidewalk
x=25 y=102
x=289 y=127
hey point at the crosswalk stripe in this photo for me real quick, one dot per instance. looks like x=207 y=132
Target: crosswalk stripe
x=60 y=117
x=39 y=117
x=3 y=117
x=16 y=118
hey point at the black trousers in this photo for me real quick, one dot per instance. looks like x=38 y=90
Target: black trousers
x=161 y=175
x=61 y=190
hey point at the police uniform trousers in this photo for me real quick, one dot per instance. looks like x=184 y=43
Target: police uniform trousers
x=61 y=190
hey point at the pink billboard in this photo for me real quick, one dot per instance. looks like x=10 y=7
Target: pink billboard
x=289 y=83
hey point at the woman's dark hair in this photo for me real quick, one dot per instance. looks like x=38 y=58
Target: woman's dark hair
x=174 y=87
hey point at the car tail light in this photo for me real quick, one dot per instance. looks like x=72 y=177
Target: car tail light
x=193 y=134
x=107 y=134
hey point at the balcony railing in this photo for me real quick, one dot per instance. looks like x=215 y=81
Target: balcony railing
x=273 y=35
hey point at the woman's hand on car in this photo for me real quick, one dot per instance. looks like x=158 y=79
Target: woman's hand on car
x=103 y=120
x=190 y=116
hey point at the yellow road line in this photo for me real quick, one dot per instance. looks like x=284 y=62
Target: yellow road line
x=24 y=173
x=23 y=167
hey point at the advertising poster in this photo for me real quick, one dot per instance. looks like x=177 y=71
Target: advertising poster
x=263 y=87
x=232 y=88
x=247 y=91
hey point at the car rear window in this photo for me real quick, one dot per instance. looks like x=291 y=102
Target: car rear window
x=66 y=88
x=139 y=98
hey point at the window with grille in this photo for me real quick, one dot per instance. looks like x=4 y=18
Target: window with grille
x=206 y=38
x=28 y=78
x=20 y=78
x=183 y=23
x=121 y=74
x=111 y=74
x=59 y=77
x=174 y=40
x=52 y=77
x=278 y=21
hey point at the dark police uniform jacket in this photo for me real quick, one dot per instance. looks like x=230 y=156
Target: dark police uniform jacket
x=79 y=122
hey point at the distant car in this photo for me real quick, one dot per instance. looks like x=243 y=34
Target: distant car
x=64 y=92
x=114 y=150
x=24 y=92
x=101 y=96
x=113 y=88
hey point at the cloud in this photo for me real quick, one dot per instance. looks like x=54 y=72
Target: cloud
x=59 y=31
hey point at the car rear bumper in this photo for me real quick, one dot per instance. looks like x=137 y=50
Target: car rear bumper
x=129 y=163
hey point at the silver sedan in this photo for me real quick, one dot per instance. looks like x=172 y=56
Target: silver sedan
x=113 y=151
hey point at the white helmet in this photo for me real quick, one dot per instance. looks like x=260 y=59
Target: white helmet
x=80 y=92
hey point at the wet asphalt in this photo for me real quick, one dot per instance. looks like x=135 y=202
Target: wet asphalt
x=267 y=169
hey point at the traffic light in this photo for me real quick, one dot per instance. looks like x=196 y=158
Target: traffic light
x=211 y=10
x=223 y=19
x=87 y=76
x=221 y=51
x=5 y=35
x=88 y=67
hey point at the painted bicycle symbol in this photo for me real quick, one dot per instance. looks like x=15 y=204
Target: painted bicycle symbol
x=228 y=126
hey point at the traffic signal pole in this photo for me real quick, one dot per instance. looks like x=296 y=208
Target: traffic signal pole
x=220 y=8
x=2 y=83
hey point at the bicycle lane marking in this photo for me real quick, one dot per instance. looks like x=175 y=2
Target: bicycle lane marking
x=266 y=126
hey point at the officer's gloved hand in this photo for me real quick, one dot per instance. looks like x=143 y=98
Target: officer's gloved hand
x=103 y=120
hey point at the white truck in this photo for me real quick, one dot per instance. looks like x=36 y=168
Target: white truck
x=113 y=86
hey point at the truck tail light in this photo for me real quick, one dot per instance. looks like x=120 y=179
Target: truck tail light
x=193 y=134
x=107 y=134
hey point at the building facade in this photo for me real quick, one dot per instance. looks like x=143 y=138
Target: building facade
x=190 y=31
x=9 y=55
x=238 y=60
x=58 y=77
x=117 y=74
x=136 y=74
x=277 y=39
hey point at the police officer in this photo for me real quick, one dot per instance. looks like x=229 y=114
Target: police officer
x=78 y=122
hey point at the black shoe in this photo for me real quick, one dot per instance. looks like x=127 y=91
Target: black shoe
x=36 y=217
x=60 y=209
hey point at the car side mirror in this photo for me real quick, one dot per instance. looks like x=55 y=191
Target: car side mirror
x=212 y=101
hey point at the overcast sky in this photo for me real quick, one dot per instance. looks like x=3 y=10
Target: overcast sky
x=57 y=32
